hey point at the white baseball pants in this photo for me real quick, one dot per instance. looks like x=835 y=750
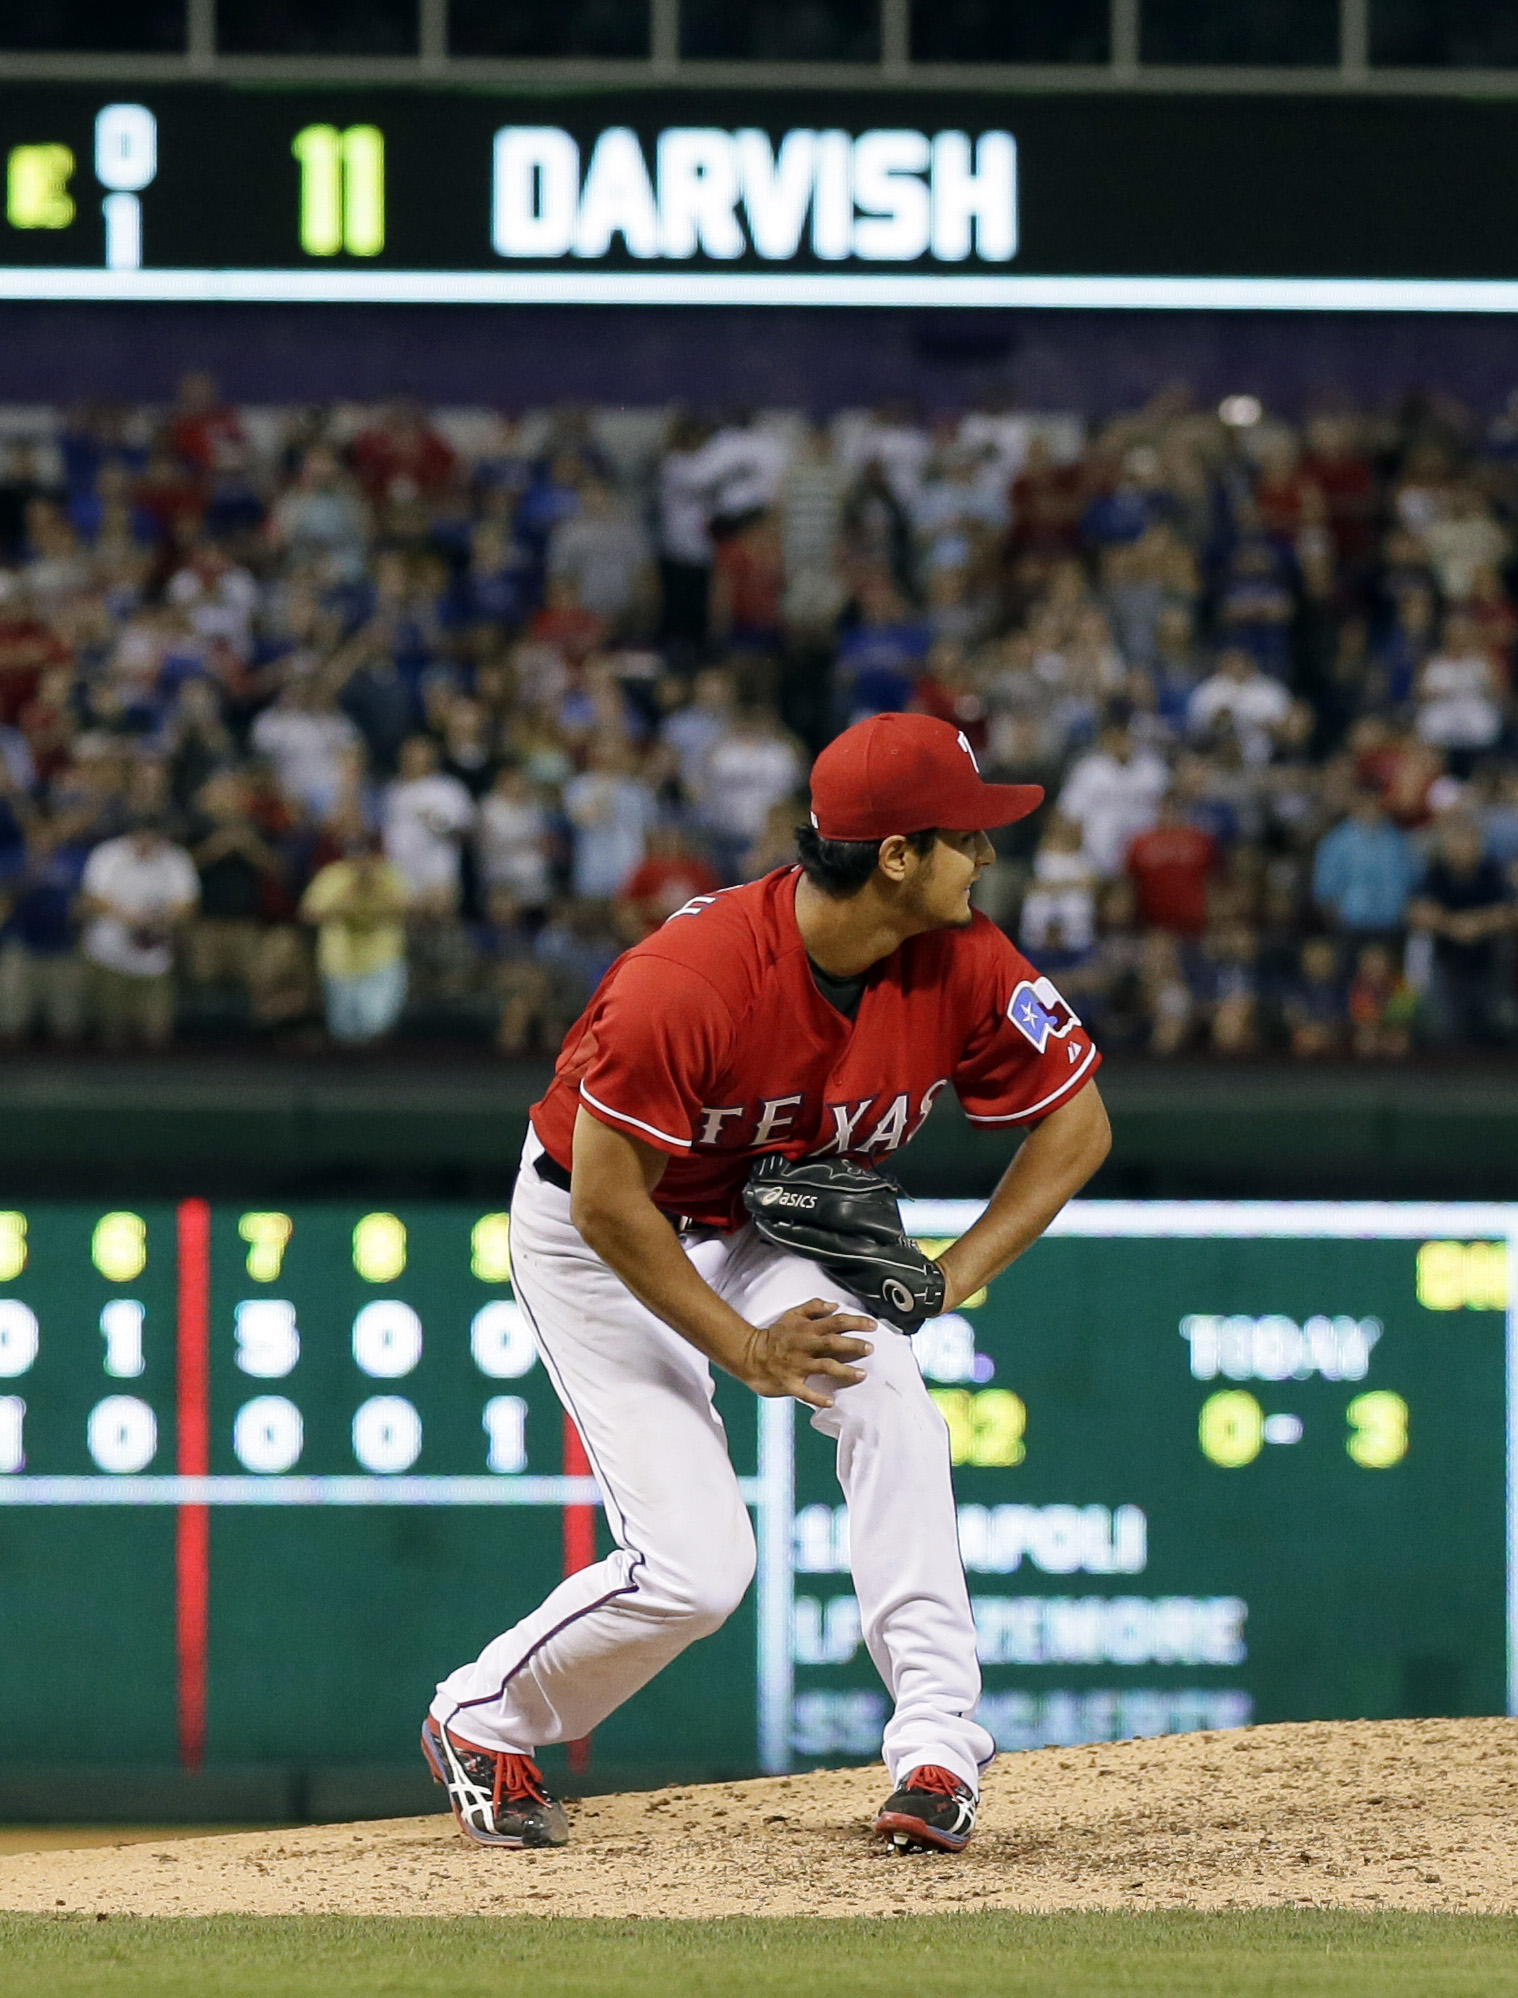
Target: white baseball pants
x=642 y=1400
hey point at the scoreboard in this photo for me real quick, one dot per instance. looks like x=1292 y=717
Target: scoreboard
x=265 y=1476
x=916 y=198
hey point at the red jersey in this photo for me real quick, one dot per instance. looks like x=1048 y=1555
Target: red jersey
x=1170 y=866
x=710 y=1041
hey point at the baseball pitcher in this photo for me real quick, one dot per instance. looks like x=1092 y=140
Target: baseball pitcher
x=701 y=1186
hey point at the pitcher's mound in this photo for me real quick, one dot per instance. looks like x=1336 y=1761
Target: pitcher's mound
x=1365 y=1814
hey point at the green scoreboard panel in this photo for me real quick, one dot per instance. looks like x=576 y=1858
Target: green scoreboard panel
x=265 y=1476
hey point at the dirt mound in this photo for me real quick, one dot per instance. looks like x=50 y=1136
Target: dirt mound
x=1366 y=1814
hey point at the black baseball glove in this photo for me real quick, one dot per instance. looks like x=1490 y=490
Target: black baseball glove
x=846 y=1218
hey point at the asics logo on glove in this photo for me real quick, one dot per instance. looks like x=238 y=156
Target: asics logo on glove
x=845 y=1217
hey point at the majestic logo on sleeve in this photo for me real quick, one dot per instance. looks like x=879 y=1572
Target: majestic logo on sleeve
x=1039 y=1014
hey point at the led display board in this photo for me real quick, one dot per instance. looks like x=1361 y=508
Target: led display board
x=265 y=1476
x=726 y=197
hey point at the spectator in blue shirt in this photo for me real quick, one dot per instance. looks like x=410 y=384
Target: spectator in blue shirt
x=1364 y=871
x=41 y=976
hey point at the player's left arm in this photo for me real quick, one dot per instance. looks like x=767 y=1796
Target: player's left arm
x=1057 y=1158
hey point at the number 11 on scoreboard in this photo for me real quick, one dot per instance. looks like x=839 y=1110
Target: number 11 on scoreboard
x=342 y=190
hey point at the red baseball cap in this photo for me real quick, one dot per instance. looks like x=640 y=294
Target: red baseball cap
x=905 y=773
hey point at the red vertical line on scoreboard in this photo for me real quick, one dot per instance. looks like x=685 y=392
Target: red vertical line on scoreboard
x=192 y=1545
x=579 y=1550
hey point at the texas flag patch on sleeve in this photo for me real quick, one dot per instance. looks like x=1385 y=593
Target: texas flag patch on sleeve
x=1039 y=1014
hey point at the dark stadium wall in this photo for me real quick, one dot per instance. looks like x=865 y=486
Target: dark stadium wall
x=513 y=357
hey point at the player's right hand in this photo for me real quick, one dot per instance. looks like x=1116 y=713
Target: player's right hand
x=810 y=1339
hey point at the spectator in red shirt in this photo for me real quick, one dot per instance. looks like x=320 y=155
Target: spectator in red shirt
x=167 y=497
x=28 y=647
x=1047 y=503
x=748 y=583
x=669 y=877
x=1337 y=467
x=400 y=459
x=565 y=624
x=1170 y=865
x=203 y=430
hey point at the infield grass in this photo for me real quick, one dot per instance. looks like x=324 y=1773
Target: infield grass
x=1293 y=1954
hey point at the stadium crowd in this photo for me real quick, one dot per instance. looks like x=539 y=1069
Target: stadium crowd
x=327 y=724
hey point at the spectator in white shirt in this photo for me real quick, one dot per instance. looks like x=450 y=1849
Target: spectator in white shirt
x=741 y=469
x=1113 y=794
x=513 y=840
x=1458 y=701
x=1241 y=697
x=304 y=738
x=1462 y=541
x=219 y=597
x=137 y=891
x=425 y=815
x=749 y=768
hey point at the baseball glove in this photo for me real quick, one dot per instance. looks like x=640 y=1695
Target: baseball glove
x=846 y=1218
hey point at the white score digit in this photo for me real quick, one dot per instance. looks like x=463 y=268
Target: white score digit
x=387 y=1434
x=122 y=1434
x=501 y=1340
x=268 y=1435
x=12 y=1415
x=387 y=1339
x=505 y=1423
x=268 y=1341
x=121 y=1325
x=18 y=1337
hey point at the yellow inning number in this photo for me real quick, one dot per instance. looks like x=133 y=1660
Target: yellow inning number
x=490 y=1248
x=342 y=190
x=1463 y=1276
x=1378 y=1430
x=12 y=1246
x=267 y=1237
x=1231 y=1428
x=37 y=187
x=933 y=1247
x=985 y=1429
x=119 y=1246
x=379 y=1247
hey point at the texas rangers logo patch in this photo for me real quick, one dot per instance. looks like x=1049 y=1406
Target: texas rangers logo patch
x=1039 y=1014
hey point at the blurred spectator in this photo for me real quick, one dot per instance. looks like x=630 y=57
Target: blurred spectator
x=138 y=892
x=400 y=459
x=751 y=766
x=231 y=942
x=1242 y=696
x=514 y=841
x=320 y=521
x=1382 y=1006
x=1062 y=901
x=358 y=905
x=1365 y=870
x=1458 y=694
x=610 y=811
x=304 y=737
x=668 y=877
x=1466 y=907
x=685 y=542
x=1171 y=864
x=748 y=585
x=605 y=556
x=426 y=815
x=41 y=975
x=1113 y=793
x=1317 y=1007
x=204 y=432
